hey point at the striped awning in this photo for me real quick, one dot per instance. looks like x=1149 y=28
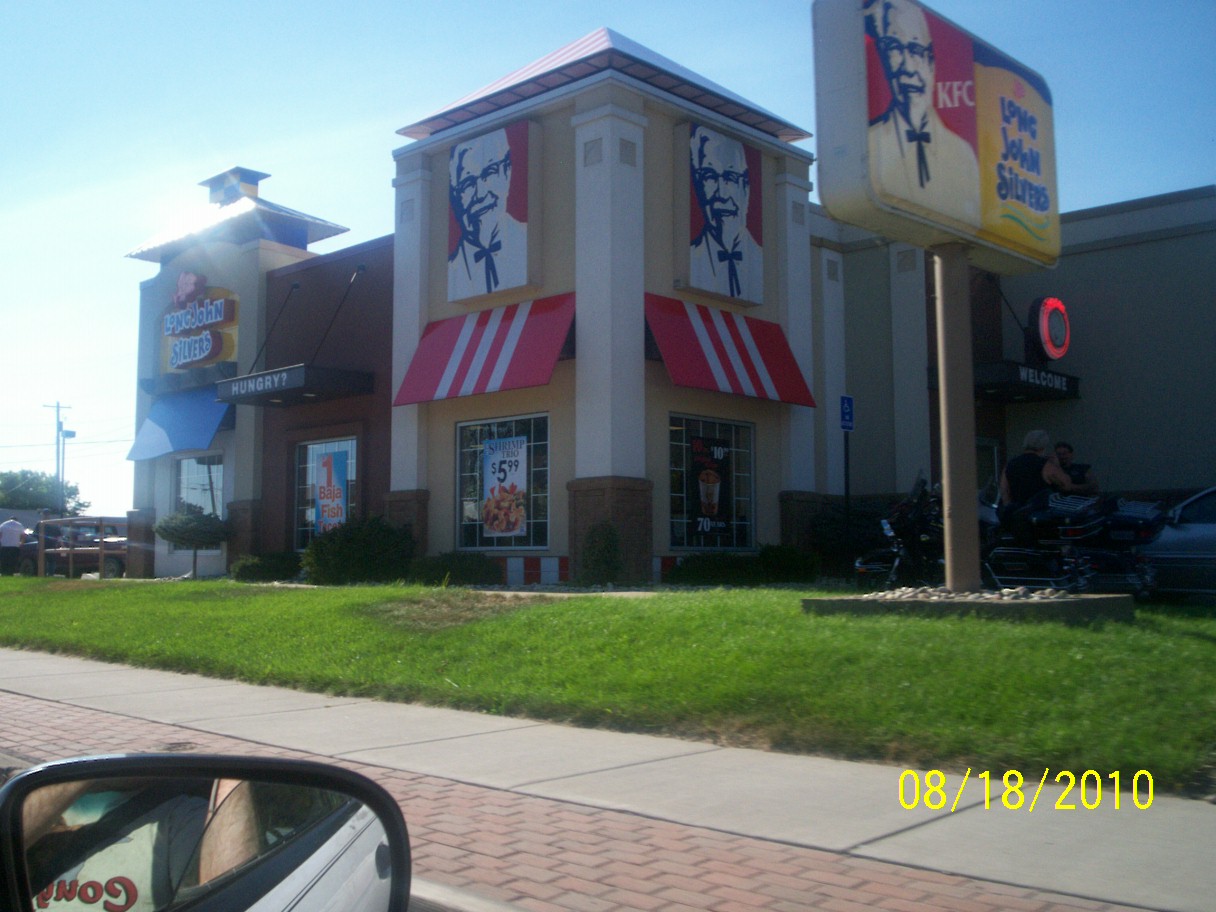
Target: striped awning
x=712 y=349
x=488 y=351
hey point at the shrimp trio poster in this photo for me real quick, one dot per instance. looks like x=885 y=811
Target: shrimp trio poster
x=504 y=486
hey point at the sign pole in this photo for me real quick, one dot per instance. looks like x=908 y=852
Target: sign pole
x=956 y=396
x=847 y=423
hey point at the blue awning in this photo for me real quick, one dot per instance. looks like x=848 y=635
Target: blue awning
x=179 y=421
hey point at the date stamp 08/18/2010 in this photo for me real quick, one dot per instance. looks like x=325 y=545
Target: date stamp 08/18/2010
x=1012 y=792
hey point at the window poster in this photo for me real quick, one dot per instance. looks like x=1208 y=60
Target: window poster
x=330 y=500
x=504 y=474
x=708 y=492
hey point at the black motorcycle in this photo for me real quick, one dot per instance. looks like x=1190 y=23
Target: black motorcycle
x=1037 y=548
x=1076 y=544
x=915 y=550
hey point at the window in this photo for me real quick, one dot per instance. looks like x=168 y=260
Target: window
x=502 y=483
x=200 y=487
x=332 y=465
x=1201 y=510
x=711 y=483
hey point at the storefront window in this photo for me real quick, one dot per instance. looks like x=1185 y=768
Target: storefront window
x=326 y=488
x=711 y=483
x=502 y=483
x=200 y=485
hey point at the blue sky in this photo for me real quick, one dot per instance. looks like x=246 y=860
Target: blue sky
x=114 y=111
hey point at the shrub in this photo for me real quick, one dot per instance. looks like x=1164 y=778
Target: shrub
x=266 y=568
x=456 y=568
x=600 y=561
x=783 y=564
x=194 y=529
x=773 y=564
x=359 y=551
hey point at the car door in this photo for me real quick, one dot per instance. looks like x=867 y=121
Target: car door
x=1185 y=553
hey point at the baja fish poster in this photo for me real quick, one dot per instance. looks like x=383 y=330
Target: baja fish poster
x=330 y=503
x=504 y=497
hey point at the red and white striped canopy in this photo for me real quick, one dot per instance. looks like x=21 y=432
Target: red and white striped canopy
x=491 y=350
x=712 y=349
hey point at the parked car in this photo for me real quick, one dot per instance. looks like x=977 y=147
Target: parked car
x=1184 y=554
x=76 y=545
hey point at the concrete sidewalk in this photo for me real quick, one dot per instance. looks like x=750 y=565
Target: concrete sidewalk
x=552 y=817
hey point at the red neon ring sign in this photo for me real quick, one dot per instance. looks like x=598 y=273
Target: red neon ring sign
x=1054 y=331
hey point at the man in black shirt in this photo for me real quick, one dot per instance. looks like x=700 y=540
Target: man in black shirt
x=1080 y=473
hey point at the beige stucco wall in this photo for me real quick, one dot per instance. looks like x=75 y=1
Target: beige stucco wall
x=663 y=221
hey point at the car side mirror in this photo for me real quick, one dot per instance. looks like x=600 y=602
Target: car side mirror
x=153 y=833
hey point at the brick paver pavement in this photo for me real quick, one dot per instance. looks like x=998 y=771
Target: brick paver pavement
x=545 y=855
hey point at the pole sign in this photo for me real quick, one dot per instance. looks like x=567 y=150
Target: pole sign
x=330 y=502
x=504 y=486
x=846 y=413
x=929 y=135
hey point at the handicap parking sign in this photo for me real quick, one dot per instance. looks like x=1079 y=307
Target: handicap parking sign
x=846 y=413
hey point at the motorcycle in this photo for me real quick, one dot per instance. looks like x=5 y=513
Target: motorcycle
x=1077 y=544
x=915 y=550
x=211 y=833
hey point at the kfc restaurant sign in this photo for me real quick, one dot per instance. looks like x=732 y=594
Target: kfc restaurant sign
x=929 y=135
x=199 y=326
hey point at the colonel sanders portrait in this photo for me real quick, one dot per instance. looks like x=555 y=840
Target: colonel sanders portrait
x=913 y=154
x=487 y=243
x=725 y=254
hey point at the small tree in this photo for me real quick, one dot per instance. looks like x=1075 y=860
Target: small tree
x=193 y=529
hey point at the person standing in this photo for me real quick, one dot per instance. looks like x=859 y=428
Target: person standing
x=1081 y=473
x=1031 y=474
x=12 y=534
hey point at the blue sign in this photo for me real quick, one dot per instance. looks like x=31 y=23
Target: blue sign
x=846 y=413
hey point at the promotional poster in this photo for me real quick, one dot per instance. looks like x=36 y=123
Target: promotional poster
x=709 y=494
x=330 y=504
x=504 y=475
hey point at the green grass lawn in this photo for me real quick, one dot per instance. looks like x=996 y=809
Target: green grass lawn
x=743 y=667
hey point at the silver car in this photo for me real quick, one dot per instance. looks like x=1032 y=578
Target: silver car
x=1185 y=551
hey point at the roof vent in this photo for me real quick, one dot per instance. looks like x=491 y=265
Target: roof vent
x=232 y=184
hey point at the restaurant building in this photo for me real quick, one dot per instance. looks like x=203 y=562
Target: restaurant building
x=607 y=299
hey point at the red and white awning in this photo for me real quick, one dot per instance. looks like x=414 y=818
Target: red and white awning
x=712 y=349
x=491 y=350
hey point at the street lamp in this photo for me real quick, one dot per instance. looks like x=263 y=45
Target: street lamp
x=64 y=437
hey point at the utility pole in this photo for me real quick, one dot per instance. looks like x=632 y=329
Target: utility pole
x=59 y=451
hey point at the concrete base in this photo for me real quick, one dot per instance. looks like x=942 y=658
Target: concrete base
x=1081 y=609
